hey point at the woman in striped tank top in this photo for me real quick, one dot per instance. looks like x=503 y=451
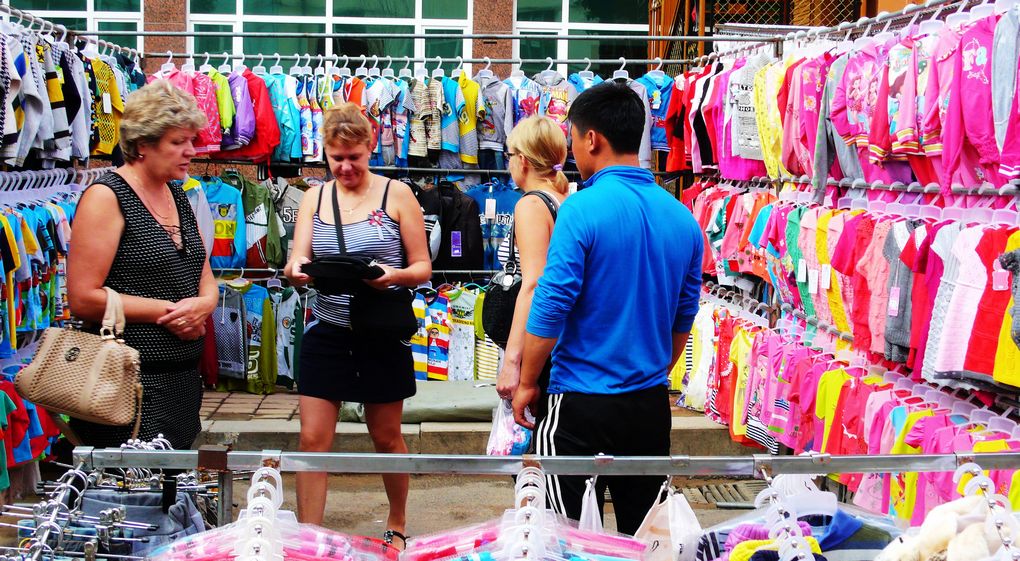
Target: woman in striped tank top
x=537 y=149
x=380 y=218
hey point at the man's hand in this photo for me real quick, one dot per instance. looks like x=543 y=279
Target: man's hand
x=526 y=396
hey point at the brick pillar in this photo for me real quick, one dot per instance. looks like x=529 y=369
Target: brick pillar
x=493 y=16
x=164 y=15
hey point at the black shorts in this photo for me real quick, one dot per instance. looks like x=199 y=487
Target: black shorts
x=340 y=365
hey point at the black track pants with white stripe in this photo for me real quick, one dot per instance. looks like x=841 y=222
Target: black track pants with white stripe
x=629 y=424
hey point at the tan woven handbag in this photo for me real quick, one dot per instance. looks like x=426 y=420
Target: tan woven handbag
x=89 y=377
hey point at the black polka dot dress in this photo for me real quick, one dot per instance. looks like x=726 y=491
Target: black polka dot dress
x=147 y=264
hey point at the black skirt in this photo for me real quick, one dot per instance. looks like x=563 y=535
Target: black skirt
x=338 y=364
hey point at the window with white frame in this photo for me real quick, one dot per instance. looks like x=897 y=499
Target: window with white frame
x=339 y=17
x=582 y=17
x=91 y=15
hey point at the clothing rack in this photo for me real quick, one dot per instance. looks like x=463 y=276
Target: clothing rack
x=385 y=169
x=1012 y=189
x=733 y=466
x=497 y=36
x=45 y=25
x=886 y=18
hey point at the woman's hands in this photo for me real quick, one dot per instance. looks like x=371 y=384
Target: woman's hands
x=293 y=271
x=388 y=279
x=186 y=318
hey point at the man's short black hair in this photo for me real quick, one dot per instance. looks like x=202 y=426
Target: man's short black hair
x=613 y=110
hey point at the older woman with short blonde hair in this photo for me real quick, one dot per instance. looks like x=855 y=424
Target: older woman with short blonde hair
x=134 y=232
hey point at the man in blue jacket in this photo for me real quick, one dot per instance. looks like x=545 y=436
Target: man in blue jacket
x=614 y=307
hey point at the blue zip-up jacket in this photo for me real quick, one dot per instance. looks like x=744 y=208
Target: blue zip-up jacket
x=623 y=275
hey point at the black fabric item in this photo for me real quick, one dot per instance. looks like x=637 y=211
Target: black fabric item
x=338 y=364
x=459 y=220
x=384 y=313
x=149 y=266
x=505 y=286
x=629 y=424
x=334 y=274
x=700 y=128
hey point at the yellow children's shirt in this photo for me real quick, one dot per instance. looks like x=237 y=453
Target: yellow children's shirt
x=1007 y=353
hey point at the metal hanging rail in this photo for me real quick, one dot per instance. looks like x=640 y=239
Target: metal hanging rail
x=407 y=60
x=504 y=36
x=44 y=24
x=739 y=466
x=1013 y=188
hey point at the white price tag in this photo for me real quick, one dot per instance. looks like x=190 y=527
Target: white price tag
x=107 y=104
x=826 y=280
x=812 y=284
x=490 y=209
x=894 y=301
x=802 y=270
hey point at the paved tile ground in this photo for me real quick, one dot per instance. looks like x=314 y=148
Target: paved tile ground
x=237 y=406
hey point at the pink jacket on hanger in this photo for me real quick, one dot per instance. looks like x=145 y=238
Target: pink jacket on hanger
x=970 y=142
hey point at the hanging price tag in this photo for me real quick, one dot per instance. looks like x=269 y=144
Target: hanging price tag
x=1000 y=277
x=107 y=104
x=490 y=209
x=826 y=280
x=812 y=284
x=802 y=270
x=894 y=301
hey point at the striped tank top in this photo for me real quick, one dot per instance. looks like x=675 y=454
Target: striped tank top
x=378 y=236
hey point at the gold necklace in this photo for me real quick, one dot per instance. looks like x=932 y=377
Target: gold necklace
x=152 y=207
x=350 y=211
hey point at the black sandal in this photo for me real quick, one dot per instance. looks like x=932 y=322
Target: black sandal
x=388 y=536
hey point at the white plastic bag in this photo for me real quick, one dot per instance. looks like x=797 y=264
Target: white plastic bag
x=670 y=529
x=591 y=517
x=507 y=437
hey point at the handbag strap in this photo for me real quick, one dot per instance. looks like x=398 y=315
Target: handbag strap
x=113 y=317
x=553 y=207
x=337 y=223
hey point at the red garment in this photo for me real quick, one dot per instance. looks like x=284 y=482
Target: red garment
x=984 y=339
x=862 y=293
x=209 y=365
x=676 y=115
x=726 y=379
x=784 y=91
x=267 y=130
x=17 y=422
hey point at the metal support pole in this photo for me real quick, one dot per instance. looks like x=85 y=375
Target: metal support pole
x=225 y=494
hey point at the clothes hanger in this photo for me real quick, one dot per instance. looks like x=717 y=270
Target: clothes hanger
x=362 y=71
x=517 y=72
x=320 y=70
x=168 y=66
x=981 y=11
x=388 y=71
x=206 y=67
x=485 y=75
x=657 y=73
x=258 y=68
x=621 y=73
x=189 y=65
x=548 y=74
x=405 y=72
x=276 y=68
x=345 y=71
x=586 y=74
x=438 y=72
x=295 y=70
x=239 y=66
x=307 y=68
x=374 y=71
x=421 y=72
x=959 y=17
x=225 y=67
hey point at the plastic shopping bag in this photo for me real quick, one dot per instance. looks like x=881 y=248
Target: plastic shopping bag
x=507 y=437
x=591 y=516
x=670 y=529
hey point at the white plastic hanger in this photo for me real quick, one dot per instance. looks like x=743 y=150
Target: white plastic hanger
x=225 y=67
x=548 y=75
x=239 y=66
x=276 y=68
x=345 y=70
x=459 y=69
x=388 y=71
x=168 y=66
x=421 y=72
x=438 y=72
x=295 y=70
x=258 y=68
x=959 y=17
x=981 y=11
x=320 y=70
x=362 y=71
x=405 y=72
x=933 y=24
x=189 y=65
x=622 y=73
x=884 y=35
x=206 y=67
x=374 y=71
x=307 y=68
x=586 y=74
x=1003 y=6
x=485 y=75
x=657 y=73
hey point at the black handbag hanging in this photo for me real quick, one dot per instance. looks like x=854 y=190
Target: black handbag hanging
x=505 y=286
x=379 y=313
